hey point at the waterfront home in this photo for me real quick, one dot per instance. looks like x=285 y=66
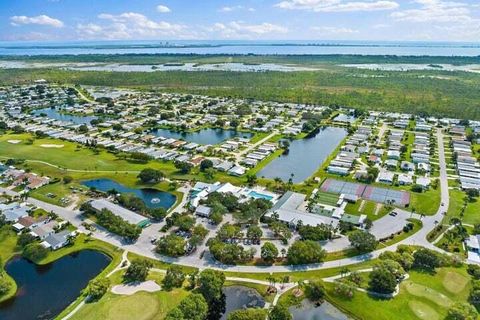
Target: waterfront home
x=56 y=241
x=338 y=170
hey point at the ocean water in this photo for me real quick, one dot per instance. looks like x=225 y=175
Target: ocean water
x=242 y=47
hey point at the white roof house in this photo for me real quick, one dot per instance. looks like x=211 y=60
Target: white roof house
x=125 y=214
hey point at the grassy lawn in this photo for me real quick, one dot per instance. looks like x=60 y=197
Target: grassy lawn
x=426 y=202
x=258 y=136
x=8 y=246
x=159 y=264
x=369 y=209
x=300 y=274
x=330 y=199
x=422 y=296
x=142 y=306
x=471 y=215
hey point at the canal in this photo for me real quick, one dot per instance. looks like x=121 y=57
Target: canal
x=304 y=156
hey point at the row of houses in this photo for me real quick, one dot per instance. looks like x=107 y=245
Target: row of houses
x=18 y=177
x=468 y=168
x=50 y=232
x=261 y=152
x=356 y=145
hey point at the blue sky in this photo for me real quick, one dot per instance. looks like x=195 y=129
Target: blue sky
x=411 y=20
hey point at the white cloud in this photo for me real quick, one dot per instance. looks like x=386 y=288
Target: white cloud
x=440 y=20
x=235 y=8
x=131 y=25
x=163 y=9
x=43 y=20
x=330 y=31
x=242 y=30
x=337 y=5
x=435 y=11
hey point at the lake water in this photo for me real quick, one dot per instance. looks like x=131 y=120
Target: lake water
x=242 y=47
x=308 y=311
x=45 y=291
x=152 y=198
x=55 y=114
x=204 y=136
x=239 y=297
x=305 y=156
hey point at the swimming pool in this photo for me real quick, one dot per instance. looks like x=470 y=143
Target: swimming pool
x=257 y=195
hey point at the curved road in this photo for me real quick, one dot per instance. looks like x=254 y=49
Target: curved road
x=145 y=248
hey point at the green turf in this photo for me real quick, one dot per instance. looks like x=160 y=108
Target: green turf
x=142 y=306
x=454 y=282
x=423 y=311
x=419 y=290
x=327 y=198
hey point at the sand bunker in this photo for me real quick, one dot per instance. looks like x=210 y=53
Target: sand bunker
x=14 y=141
x=132 y=288
x=51 y=146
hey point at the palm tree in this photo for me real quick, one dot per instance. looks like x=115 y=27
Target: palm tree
x=278 y=181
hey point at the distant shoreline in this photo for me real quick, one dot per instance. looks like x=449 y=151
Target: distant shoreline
x=327 y=47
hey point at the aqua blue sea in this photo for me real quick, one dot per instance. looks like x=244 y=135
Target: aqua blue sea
x=243 y=47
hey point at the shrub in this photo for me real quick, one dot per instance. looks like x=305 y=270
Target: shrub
x=97 y=288
x=34 y=252
x=304 y=252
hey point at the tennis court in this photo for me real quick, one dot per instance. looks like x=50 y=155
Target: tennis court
x=377 y=194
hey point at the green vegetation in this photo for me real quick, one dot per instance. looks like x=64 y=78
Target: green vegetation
x=422 y=296
x=142 y=305
x=413 y=91
x=8 y=244
x=112 y=222
x=305 y=252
